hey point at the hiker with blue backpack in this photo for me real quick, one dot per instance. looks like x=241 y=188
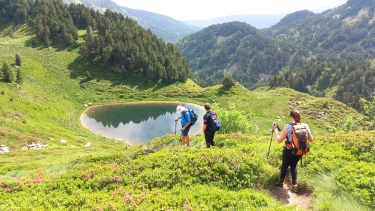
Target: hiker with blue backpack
x=211 y=124
x=185 y=124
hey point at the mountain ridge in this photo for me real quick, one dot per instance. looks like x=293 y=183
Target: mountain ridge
x=165 y=27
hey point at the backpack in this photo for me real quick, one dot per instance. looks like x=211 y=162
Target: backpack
x=193 y=116
x=215 y=121
x=299 y=144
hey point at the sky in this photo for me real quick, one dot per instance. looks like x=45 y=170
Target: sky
x=209 y=9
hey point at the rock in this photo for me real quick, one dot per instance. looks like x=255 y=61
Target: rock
x=4 y=149
x=88 y=144
x=34 y=146
x=63 y=141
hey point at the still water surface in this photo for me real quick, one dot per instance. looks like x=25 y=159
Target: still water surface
x=138 y=123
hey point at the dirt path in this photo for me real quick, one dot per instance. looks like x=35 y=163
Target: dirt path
x=287 y=197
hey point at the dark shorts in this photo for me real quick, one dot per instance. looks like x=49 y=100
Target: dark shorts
x=186 y=131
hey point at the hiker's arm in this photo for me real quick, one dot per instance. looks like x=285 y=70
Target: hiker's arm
x=187 y=124
x=282 y=136
x=310 y=137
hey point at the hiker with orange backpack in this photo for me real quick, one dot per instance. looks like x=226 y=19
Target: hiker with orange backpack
x=298 y=136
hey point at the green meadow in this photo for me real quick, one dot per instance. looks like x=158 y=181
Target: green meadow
x=162 y=175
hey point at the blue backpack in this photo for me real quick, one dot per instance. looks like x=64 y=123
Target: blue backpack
x=215 y=121
x=193 y=116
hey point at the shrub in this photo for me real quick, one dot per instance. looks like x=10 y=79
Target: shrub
x=228 y=81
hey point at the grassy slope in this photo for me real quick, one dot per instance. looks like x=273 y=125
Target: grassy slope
x=54 y=92
x=52 y=98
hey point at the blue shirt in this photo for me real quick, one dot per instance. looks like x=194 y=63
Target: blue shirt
x=185 y=118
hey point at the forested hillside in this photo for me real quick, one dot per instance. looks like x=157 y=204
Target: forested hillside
x=241 y=50
x=347 y=82
x=306 y=48
x=345 y=33
x=110 y=39
x=163 y=26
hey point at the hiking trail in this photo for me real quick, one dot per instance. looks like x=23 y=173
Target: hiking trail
x=287 y=197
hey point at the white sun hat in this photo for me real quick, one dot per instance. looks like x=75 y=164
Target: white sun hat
x=180 y=109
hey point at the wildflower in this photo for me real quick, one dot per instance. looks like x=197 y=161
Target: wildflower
x=143 y=193
x=133 y=183
x=184 y=207
x=127 y=197
x=134 y=204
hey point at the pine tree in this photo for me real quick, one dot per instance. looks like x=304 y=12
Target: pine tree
x=19 y=77
x=11 y=32
x=18 y=60
x=7 y=72
x=228 y=81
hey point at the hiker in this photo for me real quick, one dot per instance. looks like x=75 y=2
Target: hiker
x=289 y=159
x=210 y=125
x=185 y=124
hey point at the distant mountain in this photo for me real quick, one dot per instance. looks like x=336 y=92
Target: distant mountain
x=346 y=32
x=288 y=19
x=241 y=50
x=324 y=8
x=163 y=26
x=258 y=21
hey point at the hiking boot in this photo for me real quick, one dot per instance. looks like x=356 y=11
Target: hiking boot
x=280 y=184
x=295 y=189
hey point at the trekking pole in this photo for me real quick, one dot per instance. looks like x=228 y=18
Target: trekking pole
x=175 y=125
x=270 y=144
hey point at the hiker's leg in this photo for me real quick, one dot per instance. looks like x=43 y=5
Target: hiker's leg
x=293 y=169
x=287 y=157
x=213 y=139
x=183 y=139
x=185 y=135
x=209 y=138
x=187 y=140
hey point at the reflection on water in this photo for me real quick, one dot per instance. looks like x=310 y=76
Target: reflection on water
x=137 y=123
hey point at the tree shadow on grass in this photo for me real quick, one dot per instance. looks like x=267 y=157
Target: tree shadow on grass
x=223 y=90
x=79 y=68
x=57 y=44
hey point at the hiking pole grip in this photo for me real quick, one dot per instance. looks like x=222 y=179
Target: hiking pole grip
x=278 y=128
x=269 y=148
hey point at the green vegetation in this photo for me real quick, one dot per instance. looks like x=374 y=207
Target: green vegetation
x=238 y=49
x=70 y=176
x=110 y=39
x=344 y=33
x=348 y=82
x=228 y=81
x=57 y=86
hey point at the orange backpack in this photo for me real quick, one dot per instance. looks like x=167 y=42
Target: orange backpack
x=299 y=144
